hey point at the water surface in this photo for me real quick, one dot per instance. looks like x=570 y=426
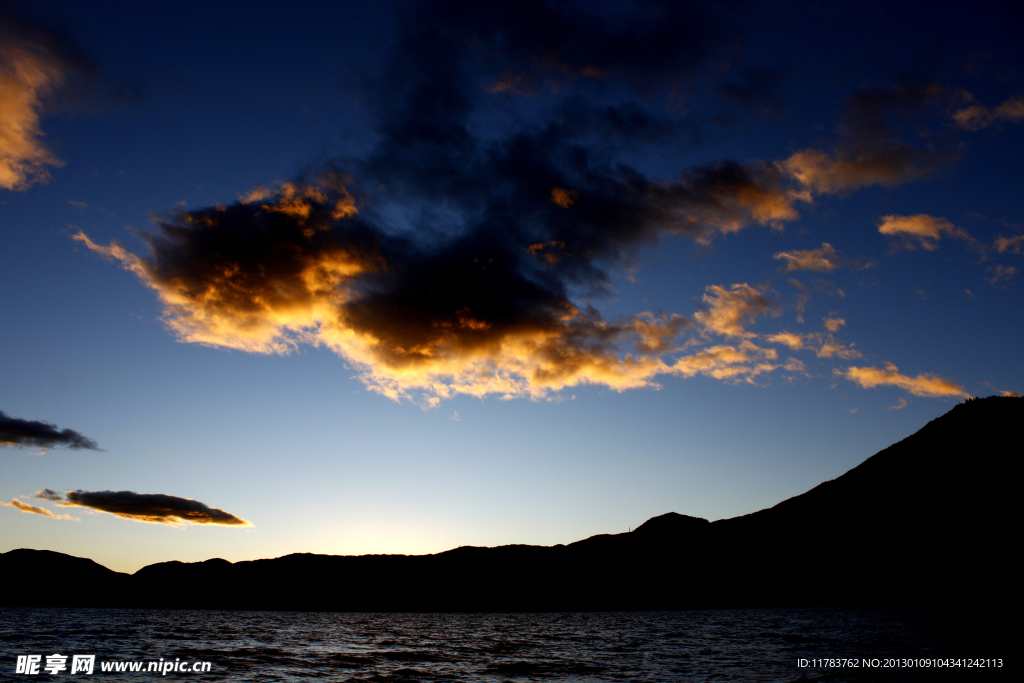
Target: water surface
x=711 y=645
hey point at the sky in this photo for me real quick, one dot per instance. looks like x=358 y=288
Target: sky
x=333 y=278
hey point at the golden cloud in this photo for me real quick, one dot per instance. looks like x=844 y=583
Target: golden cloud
x=920 y=230
x=836 y=349
x=923 y=385
x=728 y=310
x=821 y=172
x=790 y=339
x=28 y=74
x=822 y=260
x=833 y=324
x=727 y=362
x=32 y=509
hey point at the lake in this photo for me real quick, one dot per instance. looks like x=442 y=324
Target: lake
x=694 y=645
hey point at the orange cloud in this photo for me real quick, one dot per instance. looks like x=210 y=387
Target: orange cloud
x=729 y=309
x=836 y=349
x=833 y=324
x=790 y=339
x=866 y=153
x=29 y=72
x=920 y=230
x=822 y=260
x=32 y=509
x=975 y=116
x=657 y=332
x=726 y=363
x=923 y=385
x=564 y=198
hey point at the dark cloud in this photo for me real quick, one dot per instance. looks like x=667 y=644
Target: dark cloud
x=151 y=507
x=30 y=433
x=757 y=88
x=868 y=151
x=48 y=494
x=453 y=258
x=462 y=253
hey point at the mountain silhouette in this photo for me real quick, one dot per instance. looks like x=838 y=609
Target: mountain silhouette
x=925 y=521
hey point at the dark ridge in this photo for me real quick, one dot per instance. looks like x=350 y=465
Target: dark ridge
x=43 y=578
x=926 y=521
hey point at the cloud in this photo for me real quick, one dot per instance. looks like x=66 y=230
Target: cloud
x=795 y=365
x=30 y=433
x=867 y=152
x=1010 y=245
x=832 y=324
x=900 y=405
x=975 y=116
x=822 y=260
x=48 y=494
x=727 y=362
x=32 y=509
x=34 y=62
x=1014 y=394
x=920 y=230
x=757 y=88
x=454 y=258
x=728 y=310
x=790 y=339
x=1000 y=272
x=836 y=349
x=476 y=315
x=151 y=507
x=923 y=385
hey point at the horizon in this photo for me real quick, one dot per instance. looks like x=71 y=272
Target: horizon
x=630 y=530
x=408 y=278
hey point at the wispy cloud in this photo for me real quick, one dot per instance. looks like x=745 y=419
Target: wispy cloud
x=31 y=433
x=156 y=508
x=830 y=348
x=822 y=260
x=999 y=273
x=922 y=385
x=35 y=510
x=973 y=115
x=1010 y=245
x=920 y=230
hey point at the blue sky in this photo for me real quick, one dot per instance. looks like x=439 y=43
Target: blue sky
x=402 y=279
